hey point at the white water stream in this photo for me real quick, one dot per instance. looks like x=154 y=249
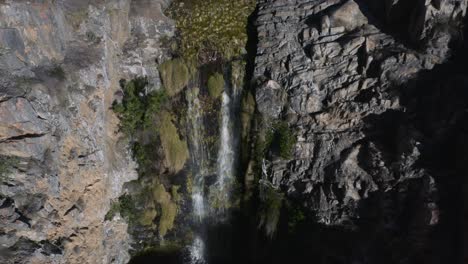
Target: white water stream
x=225 y=176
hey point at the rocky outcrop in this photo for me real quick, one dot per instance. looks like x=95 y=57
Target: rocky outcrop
x=351 y=75
x=63 y=160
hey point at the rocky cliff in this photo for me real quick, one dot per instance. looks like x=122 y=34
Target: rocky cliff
x=366 y=88
x=62 y=158
x=344 y=139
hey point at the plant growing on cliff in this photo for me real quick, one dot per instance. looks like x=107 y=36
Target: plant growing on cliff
x=284 y=137
x=137 y=107
x=6 y=165
x=279 y=138
x=215 y=27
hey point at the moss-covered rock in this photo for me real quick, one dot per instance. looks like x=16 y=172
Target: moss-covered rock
x=212 y=26
x=6 y=166
x=168 y=209
x=148 y=217
x=175 y=149
x=215 y=85
x=175 y=75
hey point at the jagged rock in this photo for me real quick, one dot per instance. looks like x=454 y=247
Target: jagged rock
x=349 y=65
x=270 y=98
x=348 y=16
x=61 y=63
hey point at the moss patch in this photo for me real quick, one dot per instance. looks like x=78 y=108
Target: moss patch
x=6 y=165
x=212 y=26
x=175 y=75
x=215 y=85
x=175 y=149
x=168 y=209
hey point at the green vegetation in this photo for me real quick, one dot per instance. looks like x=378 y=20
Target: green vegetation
x=212 y=26
x=175 y=75
x=284 y=137
x=215 y=85
x=57 y=72
x=155 y=203
x=175 y=149
x=295 y=217
x=270 y=209
x=279 y=138
x=7 y=163
x=137 y=109
x=124 y=205
x=168 y=209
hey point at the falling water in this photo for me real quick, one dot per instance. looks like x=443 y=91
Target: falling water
x=225 y=169
x=199 y=170
x=214 y=206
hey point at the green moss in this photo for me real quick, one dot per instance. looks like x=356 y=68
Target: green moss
x=175 y=75
x=215 y=85
x=175 y=149
x=189 y=184
x=176 y=196
x=212 y=26
x=168 y=209
x=7 y=163
x=148 y=217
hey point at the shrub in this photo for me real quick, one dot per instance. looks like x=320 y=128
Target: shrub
x=279 y=138
x=137 y=108
x=285 y=138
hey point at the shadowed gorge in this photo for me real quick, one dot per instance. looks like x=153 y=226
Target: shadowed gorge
x=233 y=131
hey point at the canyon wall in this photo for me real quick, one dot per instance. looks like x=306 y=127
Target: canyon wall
x=62 y=158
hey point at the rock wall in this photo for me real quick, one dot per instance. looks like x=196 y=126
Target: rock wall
x=62 y=158
x=365 y=84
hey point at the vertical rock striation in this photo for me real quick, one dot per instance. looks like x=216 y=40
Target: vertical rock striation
x=355 y=74
x=60 y=66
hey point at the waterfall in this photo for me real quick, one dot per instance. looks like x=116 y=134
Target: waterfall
x=214 y=206
x=226 y=154
x=199 y=170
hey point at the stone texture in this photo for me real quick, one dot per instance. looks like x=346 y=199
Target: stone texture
x=348 y=73
x=60 y=66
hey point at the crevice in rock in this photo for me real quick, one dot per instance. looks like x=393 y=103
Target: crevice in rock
x=23 y=136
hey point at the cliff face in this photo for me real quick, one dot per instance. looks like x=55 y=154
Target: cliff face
x=377 y=151
x=62 y=160
x=352 y=131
